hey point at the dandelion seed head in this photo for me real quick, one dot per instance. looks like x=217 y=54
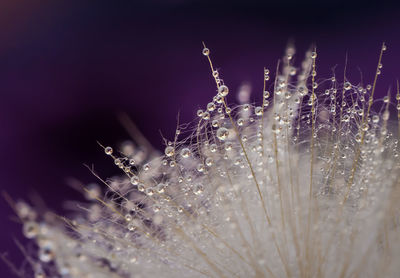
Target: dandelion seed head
x=304 y=184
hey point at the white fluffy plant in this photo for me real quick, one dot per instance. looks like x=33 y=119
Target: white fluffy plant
x=304 y=185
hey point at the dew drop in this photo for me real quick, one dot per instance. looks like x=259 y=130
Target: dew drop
x=223 y=90
x=140 y=187
x=200 y=167
x=160 y=188
x=313 y=55
x=128 y=217
x=185 y=153
x=30 y=229
x=108 y=150
x=169 y=151
x=386 y=99
x=211 y=106
x=258 y=111
x=206 y=116
x=228 y=146
x=215 y=123
x=149 y=191
x=222 y=133
x=365 y=127
x=134 y=180
x=131 y=227
x=209 y=161
x=198 y=189
x=375 y=119
x=46 y=253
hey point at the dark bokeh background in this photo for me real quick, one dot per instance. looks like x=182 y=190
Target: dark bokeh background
x=68 y=67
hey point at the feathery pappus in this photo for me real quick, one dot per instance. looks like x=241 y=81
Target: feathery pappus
x=305 y=184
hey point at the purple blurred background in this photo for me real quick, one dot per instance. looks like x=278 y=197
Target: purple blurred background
x=67 y=68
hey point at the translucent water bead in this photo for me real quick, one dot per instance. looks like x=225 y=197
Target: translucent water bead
x=222 y=133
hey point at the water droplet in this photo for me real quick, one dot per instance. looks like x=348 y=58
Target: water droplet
x=30 y=229
x=149 y=191
x=134 y=180
x=140 y=187
x=258 y=111
x=209 y=161
x=386 y=99
x=160 y=188
x=228 y=146
x=185 y=152
x=131 y=227
x=213 y=148
x=223 y=90
x=215 y=123
x=365 y=127
x=108 y=150
x=200 y=167
x=206 y=51
x=222 y=133
x=313 y=55
x=211 y=106
x=206 y=116
x=198 y=189
x=156 y=208
x=169 y=151
x=46 y=253
x=128 y=217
